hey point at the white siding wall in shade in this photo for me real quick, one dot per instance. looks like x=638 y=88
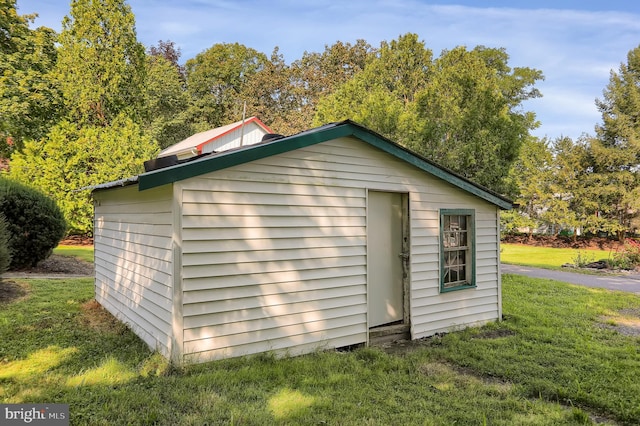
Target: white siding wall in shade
x=274 y=252
x=133 y=260
x=251 y=134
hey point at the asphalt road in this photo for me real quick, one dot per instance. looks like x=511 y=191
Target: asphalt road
x=623 y=282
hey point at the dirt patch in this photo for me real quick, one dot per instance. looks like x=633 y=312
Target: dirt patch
x=11 y=291
x=94 y=316
x=494 y=334
x=627 y=322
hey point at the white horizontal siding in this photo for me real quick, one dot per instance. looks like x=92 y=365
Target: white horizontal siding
x=133 y=260
x=272 y=262
x=274 y=252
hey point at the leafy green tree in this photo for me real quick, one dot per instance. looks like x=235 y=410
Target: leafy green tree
x=570 y=204
x=317 y=75
x=462 y=110
x=166 y=98
x=380 y=97
x=269 y=94
x=70 y=159
x=615 y=153
x=216 y=79
x=468 y=117
x=532 y=175
x=101 y=64
x=29 y=100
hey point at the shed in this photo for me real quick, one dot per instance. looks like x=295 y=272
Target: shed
x=240 y=133
x=324 y=239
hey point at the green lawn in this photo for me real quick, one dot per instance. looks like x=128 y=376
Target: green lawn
x=546 y=257
x=556 y=360
x=82 y=252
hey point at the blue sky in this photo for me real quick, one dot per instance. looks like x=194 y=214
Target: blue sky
x=575 y=43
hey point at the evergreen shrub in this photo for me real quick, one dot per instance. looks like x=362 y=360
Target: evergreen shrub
x=35 y=223
x=5 y=252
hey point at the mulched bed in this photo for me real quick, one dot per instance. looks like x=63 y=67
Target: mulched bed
x=564 y=242
x=54 y=266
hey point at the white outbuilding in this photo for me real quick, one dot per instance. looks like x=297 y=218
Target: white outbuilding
x=332 y=237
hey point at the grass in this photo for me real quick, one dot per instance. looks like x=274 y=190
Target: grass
x=83 y=252
x=548 y=257
x=555 y=360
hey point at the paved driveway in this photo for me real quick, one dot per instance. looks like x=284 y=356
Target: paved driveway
x=630 y=283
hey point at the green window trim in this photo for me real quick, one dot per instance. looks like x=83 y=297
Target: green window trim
x=457 y=249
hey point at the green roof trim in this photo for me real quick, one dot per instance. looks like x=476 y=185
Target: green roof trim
x=321 y=134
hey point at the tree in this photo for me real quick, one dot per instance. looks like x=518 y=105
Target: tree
x=531 y=174
x=317 y=75
x=615 y=152
x=72 y=158
x=169 y=51
x=468 y=117
x=380 y=96
x=166 y=98
x=29 y=100
x=101 y=64
x=270 y=95
x=570 y=204
x=216 y=79
x=462 y=110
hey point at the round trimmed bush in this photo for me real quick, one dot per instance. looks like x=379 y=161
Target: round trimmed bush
x=34 y=221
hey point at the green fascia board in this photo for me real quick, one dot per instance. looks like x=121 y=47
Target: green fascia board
x=311 y=137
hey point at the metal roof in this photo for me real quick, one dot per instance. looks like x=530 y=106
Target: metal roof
x=198 y=140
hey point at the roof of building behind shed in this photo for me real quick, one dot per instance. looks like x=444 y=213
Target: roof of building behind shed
x=197 y=141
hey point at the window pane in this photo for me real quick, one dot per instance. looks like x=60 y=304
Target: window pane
x=454 y=223
x=451 y=239
x=456 y=246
